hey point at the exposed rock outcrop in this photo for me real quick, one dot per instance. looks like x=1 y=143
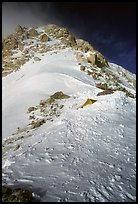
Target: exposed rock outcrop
x=63 y=34
x=59 y=95
x=100 y=60
x=83 y=45
x=91 y=58
x=44 y=38
x=9 y=43
x=94 y=57
x=32 y=33
x=19 y=30
x=80 y=57
x=36 y=42
x=48 y=109
x=23 y=45
x=17 y=195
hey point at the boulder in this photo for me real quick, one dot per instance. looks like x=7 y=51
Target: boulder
x=59 y=95
x=37 y=59
x=82 y=68
x=44 y=38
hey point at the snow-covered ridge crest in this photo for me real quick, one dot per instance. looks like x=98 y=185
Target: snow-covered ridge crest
x=28 y=43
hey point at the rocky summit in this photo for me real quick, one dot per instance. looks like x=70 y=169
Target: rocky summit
x=23 y=45
x=68 y=120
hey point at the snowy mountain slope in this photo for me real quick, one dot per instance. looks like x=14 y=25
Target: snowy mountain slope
x=39 y=80
x=28 y=43
x=77 y=154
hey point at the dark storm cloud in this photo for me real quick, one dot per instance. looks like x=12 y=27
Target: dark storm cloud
x=109 y=27
x=25 y=14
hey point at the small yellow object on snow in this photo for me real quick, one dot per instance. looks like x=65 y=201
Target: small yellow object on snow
x=88 y=102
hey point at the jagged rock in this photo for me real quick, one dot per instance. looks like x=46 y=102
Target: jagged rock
x=67 y=37
x=51 y=27
x=96 y=59
x=83 y=45
x=10 y=43
x=100 y=60
x=32 y=33
x=61 y=33
x=69 y=41
x=44 y=38
x=19 y=30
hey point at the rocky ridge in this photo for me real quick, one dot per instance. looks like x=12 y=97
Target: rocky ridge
x=21 y=46
x=26 y=43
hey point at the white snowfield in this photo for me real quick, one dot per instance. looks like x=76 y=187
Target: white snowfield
x=84 y=155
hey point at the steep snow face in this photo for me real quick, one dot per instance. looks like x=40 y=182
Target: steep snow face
x=81 y=154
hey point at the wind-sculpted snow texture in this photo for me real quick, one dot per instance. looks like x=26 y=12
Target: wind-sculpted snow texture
x=78 y=154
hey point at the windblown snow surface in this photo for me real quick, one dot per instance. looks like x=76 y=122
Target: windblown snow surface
x=84 y=155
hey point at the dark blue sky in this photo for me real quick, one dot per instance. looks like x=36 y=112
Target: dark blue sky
x=109 y=27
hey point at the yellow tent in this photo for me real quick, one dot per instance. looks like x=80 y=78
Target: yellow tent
x=88 y=102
